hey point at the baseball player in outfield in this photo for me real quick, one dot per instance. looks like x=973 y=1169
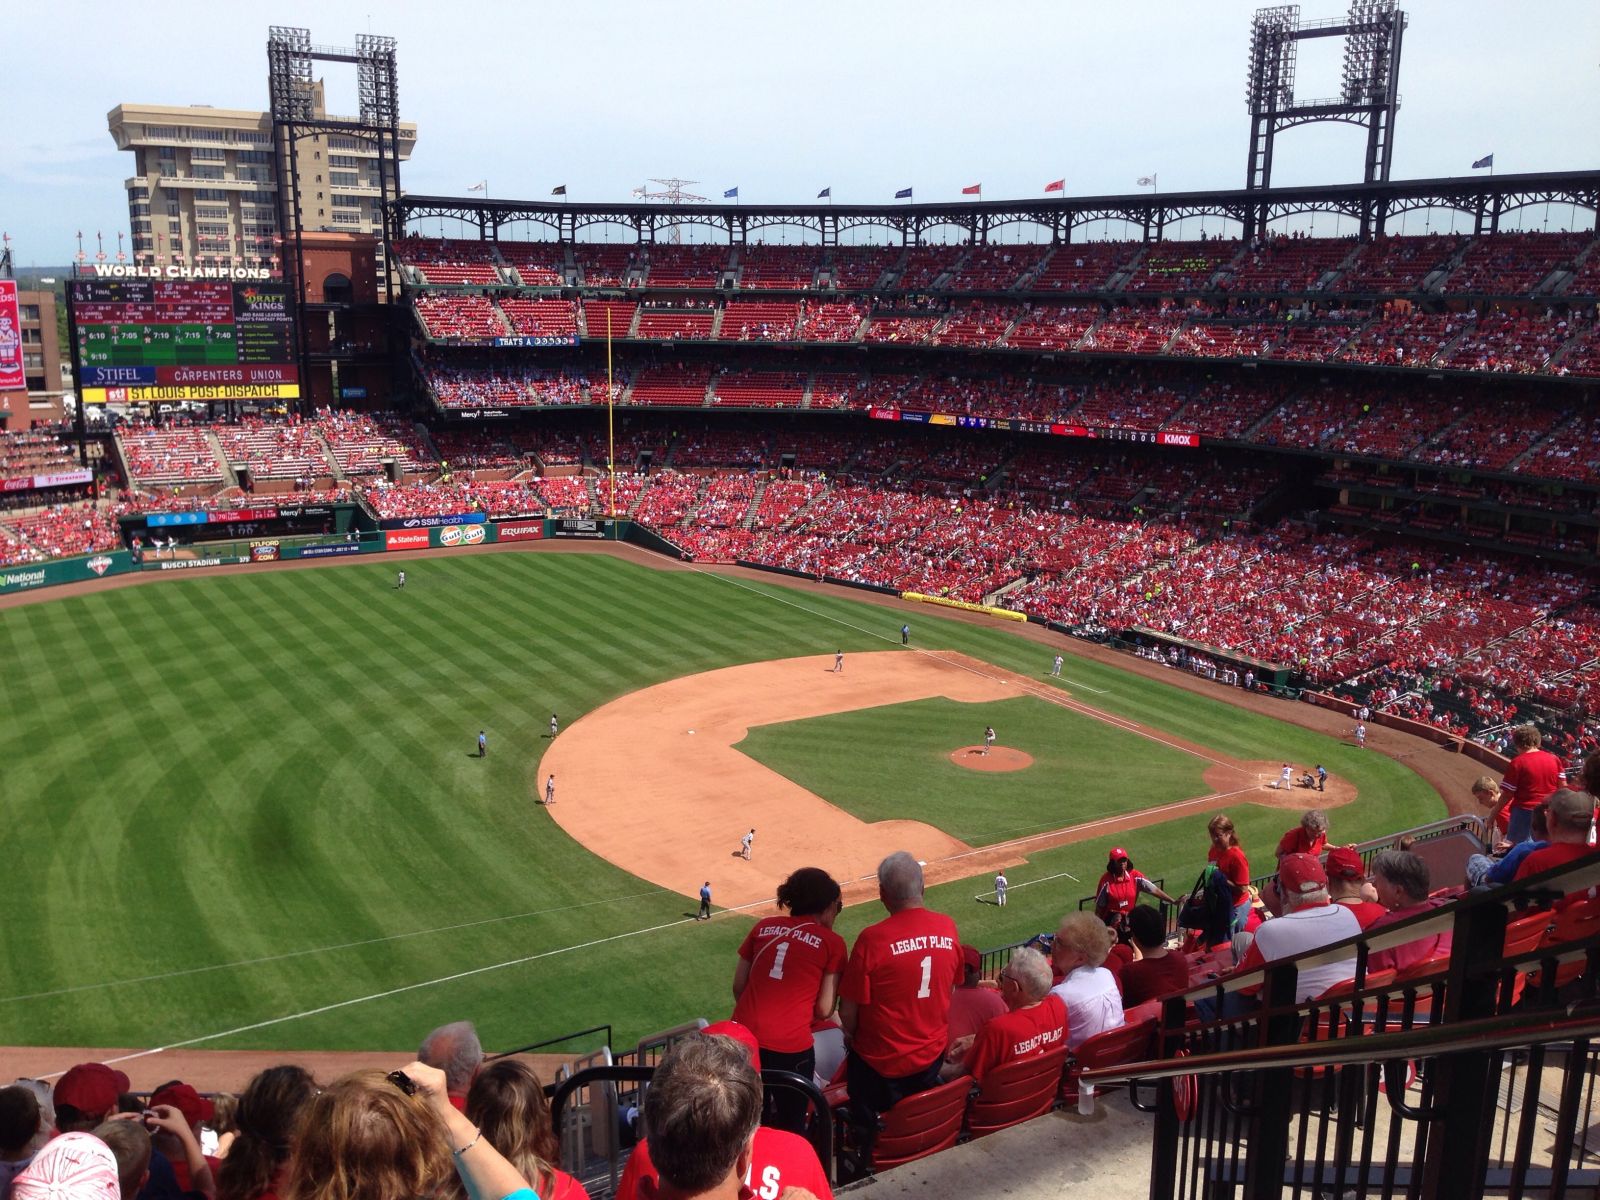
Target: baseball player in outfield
x=745 y=843
x=400 y=581
x=483 y=744
x=555 y=725
x=1055 y=670
x=1000 y=886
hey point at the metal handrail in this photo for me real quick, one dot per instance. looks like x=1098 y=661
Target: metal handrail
x=1538 y=889
x=1423 y=1041
x=556 y=1041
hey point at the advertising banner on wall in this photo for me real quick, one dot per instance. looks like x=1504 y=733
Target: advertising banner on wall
x=461 y=535
x=405 y=539
x=11 y=375
x=519 y=531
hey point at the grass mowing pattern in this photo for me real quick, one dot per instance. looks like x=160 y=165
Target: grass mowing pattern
x=893 y=762
x=205 y=772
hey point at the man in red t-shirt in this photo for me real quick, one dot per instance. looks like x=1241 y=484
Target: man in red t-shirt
x=972 y=1005
x=1035 y=1024
x=1532 y=778
x=1158 y=970
x=701 y=1114
x=896 y=997
x=1347 y=885
x=1568 y=815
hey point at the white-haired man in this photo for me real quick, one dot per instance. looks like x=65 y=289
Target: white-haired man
x=895 y=996
x=455 y=1050
x=1035 y=1022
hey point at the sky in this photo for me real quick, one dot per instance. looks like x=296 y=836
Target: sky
x=781 y=100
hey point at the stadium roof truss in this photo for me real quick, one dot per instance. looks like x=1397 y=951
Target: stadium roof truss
x=1485 y=198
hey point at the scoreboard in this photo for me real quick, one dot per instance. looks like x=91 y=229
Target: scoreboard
x=138 y=340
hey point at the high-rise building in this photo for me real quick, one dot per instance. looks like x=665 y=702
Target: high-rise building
x=205 y=182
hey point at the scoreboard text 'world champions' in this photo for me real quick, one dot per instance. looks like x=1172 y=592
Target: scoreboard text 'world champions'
x=156 y=340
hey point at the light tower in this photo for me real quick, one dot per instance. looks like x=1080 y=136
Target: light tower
x=673 y=194
x=1369 y=96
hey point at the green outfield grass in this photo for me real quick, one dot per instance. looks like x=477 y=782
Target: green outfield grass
x=234 y=800
x=894 y=762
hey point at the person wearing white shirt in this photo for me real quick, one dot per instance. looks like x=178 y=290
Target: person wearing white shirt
x=1091 y=994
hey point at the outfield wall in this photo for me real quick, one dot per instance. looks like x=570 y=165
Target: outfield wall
x=460 y=531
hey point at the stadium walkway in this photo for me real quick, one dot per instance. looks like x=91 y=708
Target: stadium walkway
x=1062 y=1154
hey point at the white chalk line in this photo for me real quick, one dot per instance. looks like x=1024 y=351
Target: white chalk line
x=1017 y=887
x=411 y=987
x=271 y=958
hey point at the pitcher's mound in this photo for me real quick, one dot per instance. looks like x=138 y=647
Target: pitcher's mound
x=999 y=758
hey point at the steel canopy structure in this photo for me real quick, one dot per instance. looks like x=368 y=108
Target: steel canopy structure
x=1486 y=200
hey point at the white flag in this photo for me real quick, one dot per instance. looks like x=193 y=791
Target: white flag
x=479 y=187
x=1145 y=181
x=638 y=191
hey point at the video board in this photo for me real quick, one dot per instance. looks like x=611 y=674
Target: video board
x=142 y=340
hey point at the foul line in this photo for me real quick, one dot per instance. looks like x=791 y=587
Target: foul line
x=270 y=958
x=617 y=937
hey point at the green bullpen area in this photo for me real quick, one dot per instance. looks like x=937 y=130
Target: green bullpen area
x=894 y=762
x=245 y=811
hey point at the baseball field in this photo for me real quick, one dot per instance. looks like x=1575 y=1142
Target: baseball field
x=247 y=811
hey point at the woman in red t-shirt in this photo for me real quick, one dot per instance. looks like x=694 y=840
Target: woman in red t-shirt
x=1118 y=891
x=788 y=974
x=1229 y=858
x=507 y=1102
x=268 y=1116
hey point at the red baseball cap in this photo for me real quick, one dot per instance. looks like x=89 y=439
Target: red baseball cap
x=971 y=958
x=1301 y=873
x=91 y=1088
x=1118 y=852
x=1345 y=863
x=739 y=1033
x=196 y=1109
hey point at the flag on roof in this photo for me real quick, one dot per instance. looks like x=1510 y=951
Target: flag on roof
x=825 y=194
x=903 y=194
x=1486 y=161
x=975 y=190
x=479 y=187
x=731 y=194
x=559 y=191
x=1056 y=185
x=1146 y=180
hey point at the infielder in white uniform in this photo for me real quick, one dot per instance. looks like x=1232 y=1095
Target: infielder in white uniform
x=1000 y=886
x=745 y=843
x=1056 y=669
x=550 y=790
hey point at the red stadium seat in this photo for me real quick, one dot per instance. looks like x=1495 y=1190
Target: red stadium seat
x=1015 y=1092
x=921 y=1125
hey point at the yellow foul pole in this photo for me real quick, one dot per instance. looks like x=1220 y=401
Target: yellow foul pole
x=611 y=425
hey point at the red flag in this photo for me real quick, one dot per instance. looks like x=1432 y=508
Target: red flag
x=975 y=190
x=1058 y=185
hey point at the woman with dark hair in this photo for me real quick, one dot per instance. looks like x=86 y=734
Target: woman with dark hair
x=508 y=1103
x=268 y=1115
x=788 y=977
x=1118 y=891
x=1229 y=858
x=372 y=1136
